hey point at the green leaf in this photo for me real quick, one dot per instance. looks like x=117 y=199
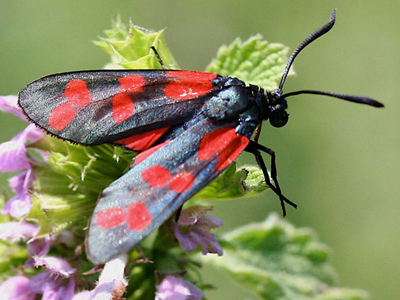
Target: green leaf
x=233 y=183
x=277 y=261
x=254 y=61
x=67 y=187
x=129 y=47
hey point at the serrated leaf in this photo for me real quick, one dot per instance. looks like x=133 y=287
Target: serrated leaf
x=233 y=183
x=254 y=61
x=277 y=261
x=129 y=47
x=66 y=190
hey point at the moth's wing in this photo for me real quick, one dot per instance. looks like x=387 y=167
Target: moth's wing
x=129 y=107
x=162 y=179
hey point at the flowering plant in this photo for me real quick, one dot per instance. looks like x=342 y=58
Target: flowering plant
x=43 y=225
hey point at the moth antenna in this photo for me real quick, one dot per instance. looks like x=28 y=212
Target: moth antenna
x=312 y=37
x=352 y=98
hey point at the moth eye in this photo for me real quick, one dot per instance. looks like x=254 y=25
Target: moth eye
x=279 y=120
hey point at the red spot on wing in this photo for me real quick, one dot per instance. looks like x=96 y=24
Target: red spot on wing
x=139 y=217
x=225 y=143
x=189 y=84
x=181 y=182
x=142 y=141
x=131 y=83
x=122 y=107
x=136 y=216
x=61 y=116
x=111 y=217
x=78 y=96
x=145 y=154
x=77 y=93
x=157 y=176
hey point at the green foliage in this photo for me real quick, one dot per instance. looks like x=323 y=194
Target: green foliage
x=254 y=61
x=233 y=183
x=67 y=187
x=275 y=260
x=129 y=47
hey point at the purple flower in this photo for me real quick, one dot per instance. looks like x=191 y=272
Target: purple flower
x=14 y=157
x=176 y=288
x=51 y=287
x=10 y=104
x=193 y=230
x=16 y=288
x=56 y=266
x=15 y=231
x=50 y=283
x=39 y=247
x=20 y=204
x=13 y=153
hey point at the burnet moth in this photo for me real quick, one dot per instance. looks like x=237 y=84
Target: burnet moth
x=188 y=127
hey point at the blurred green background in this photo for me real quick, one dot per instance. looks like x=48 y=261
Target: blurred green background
x=338 y=161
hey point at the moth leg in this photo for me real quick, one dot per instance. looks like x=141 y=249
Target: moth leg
x=256 y=149
x=257 y=132
x=159 y=58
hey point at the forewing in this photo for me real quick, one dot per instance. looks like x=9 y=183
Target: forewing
x=95 y=107
x=161 y=180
